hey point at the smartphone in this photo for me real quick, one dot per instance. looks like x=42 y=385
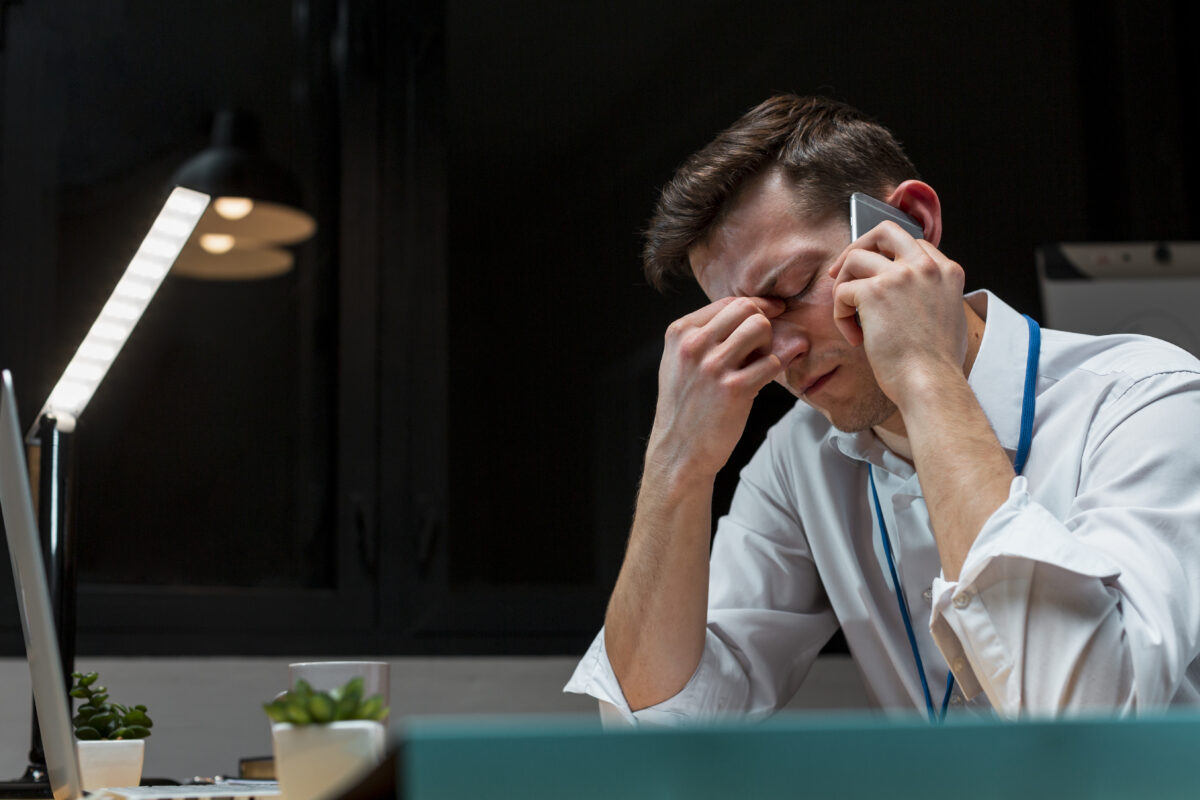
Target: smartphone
x=866 y=212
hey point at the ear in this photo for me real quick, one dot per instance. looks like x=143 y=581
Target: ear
x=920 y=201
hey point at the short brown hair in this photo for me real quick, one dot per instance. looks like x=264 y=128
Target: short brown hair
x=828 y=149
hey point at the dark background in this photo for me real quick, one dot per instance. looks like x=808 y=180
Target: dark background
x=427 y=437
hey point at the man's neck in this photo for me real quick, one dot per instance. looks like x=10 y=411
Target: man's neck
x=892 y=431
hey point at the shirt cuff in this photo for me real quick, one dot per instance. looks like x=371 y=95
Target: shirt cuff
x=1018 y=535
x=706 y=695
x=1021 y=528
x=594 y=676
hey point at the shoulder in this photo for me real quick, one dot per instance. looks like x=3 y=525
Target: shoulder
x=1119 y=361
x=1093 y=386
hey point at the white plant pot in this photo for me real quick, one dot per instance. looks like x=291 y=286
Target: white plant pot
x=318 y=761
x=108 y=764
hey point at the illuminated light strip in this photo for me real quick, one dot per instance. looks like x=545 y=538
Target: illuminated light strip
x=125 y=306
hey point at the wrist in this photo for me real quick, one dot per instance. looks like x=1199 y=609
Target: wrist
x=674 y=472
x=924 y=388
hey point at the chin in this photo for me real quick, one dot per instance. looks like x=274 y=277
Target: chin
x=862 y=415
x=869 y=408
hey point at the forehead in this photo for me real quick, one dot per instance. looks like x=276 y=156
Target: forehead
x=763 y=237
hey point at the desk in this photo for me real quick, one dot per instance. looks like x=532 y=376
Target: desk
x=803 y=756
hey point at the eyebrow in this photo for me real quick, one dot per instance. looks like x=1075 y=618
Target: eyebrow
x=768 y=288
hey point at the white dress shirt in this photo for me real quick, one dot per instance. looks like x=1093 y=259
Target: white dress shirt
x=1081 y=592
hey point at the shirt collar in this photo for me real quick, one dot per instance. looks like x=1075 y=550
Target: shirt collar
x=997 y=378
x=998 y=374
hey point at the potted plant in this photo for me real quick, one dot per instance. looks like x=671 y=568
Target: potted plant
x=323 y=741
x=110 y=737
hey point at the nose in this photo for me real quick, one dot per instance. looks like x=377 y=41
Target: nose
x=788 y=340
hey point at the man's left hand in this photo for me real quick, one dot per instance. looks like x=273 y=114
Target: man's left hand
x=901 y=298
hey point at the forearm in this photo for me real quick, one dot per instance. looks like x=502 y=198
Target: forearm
x=655 y=625
x=715 y=361
x=965 y=473
x=1041 y=639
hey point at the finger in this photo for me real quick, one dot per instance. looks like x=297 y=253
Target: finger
x=859 y=266
x=770 y=306
x=931 y=251
x=758 y=372
x=734 y=308
x=750 y=339
x=859 y=253
x=845 y=311
x=729 y=318
x=887 y=238
x=702 y=316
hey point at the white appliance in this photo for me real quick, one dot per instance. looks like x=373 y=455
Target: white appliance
x=1151 y=288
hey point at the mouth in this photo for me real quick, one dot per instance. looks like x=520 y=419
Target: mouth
x=815 y=385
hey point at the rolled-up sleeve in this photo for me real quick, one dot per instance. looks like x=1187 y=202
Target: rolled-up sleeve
x=718 y=686
x=1098 y=608
x=768 y=615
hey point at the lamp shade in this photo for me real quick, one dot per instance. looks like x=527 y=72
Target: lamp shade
x=255 y=208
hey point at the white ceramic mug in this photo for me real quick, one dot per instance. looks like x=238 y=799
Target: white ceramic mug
x=326 y=675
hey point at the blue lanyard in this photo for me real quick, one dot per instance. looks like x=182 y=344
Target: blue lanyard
x=1026 y=438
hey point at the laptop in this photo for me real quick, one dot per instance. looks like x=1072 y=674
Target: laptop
x=41 y=643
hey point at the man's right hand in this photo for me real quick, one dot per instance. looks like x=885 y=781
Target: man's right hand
x=715 y=361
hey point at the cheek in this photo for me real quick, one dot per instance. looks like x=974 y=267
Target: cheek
x=821 y=293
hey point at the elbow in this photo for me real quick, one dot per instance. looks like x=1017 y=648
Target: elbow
x=1109 y=677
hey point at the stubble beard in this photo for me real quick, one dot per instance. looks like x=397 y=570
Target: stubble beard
x=869 y=410
x=870 y=407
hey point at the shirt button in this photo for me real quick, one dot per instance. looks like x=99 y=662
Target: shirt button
x=963 y=600
x=927 y=596
x=958 y=665
x=956 y=701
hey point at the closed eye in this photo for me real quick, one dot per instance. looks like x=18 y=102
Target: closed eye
x=796 y=298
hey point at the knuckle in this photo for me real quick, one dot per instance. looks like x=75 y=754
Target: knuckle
x=690 y=344
x=734 y=384
x=926 y=267
x=710 y=366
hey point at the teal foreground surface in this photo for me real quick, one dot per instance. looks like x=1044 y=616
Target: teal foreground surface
x=802 y=756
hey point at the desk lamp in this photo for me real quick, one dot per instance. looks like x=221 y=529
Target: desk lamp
x=255 y=207
x=228 y=219
x=171 y=230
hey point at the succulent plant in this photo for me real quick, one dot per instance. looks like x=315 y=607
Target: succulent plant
x=302 y=705
x=96 y=718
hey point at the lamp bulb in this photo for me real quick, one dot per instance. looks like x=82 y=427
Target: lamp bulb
x=233 y=207
x=216 y=243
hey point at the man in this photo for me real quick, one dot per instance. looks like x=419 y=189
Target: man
x=1008 y=513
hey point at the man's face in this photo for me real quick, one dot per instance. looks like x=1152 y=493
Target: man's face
x=764 y=247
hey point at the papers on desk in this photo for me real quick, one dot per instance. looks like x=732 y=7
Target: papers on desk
x=235 y=790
